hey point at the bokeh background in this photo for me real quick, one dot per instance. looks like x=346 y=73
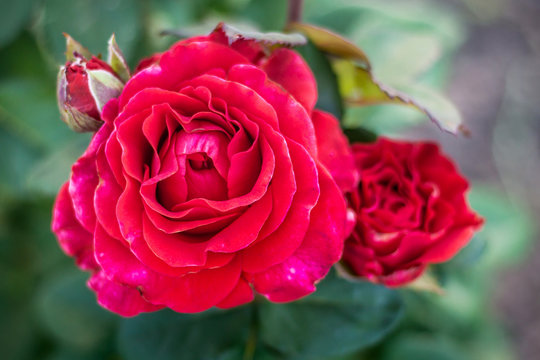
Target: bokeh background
x=484 y=55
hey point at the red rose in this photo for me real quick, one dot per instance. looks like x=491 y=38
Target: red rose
x=84 y=86
x=411 y=211
x=206 y=183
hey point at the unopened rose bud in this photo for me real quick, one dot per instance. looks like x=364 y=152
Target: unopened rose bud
x=83 y=89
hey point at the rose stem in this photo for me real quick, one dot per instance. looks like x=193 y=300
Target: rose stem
x=295 y=11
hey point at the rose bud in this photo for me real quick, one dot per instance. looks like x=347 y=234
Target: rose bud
x=212 y=178
x=83 y=88
x=411 y=211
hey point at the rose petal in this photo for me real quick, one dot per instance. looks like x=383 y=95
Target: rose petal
x=334 y=150
x=177 y=250
x=282 y=243
x=291 y=114
x=240 y=295
x=121 y=299
x=106 y=197
x=451 y=243
x=74 y=239
x=290 y=70
x=320 y=249
x=84 y=179
x=195 y=292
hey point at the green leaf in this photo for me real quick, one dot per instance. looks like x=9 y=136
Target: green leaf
x=116 y=59
x=329 y=98
x=73 y=46
x=331 y=43
x=387 y=119
x=70 y=354
x=409 y=44
x=339 y=318
x=359 y=86
x=166 y=335
x=269 y=38
x=359 y=134
x=17 y=325
x=69 y=311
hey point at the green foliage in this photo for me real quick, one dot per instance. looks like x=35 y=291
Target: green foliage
x=168 y=335
x=339 y=318
x=69 y=312
x=410 y=46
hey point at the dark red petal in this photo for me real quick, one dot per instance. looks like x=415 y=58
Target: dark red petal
x=147 y=62
x=118 y=262
x=241 y=294
x=72 y=237
x=195 y=292
x=244 y=230
x=110 y=110
x=283 y=181
x=84 y=179
x=402 y=276
x=289 y=69
x=251 y=49
x=291 y=114
x=78 y=90
x=413 y=244
x=136 y=152
x=320 y=249
x=129 y=211
x=183 y=293
x=451 y=243
x=242 y=97
x=280 y=244
x=106 y=197
x=247 y=166
x=145 y=255
x=121 y=299
x=334 y=150
x=178 y=249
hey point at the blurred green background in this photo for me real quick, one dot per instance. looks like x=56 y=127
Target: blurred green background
x=484 y=54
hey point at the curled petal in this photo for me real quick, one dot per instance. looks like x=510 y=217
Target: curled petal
x=73 y=238
x=197 y=291
x=84 y=179
x=241 y=294
x=334 y=151
x=283 y=242
x=291 y=114
x=321 y=247
x=121 y=299
x=288 y=69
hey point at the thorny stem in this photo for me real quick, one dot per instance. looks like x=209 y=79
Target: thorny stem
x=295 y=11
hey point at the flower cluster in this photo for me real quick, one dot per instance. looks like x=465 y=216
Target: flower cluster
x=211 y=176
